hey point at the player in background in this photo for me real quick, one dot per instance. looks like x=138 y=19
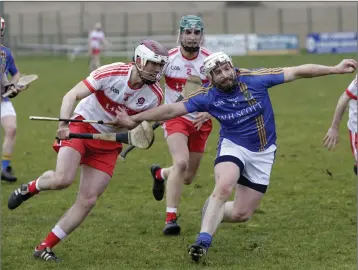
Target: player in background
x=134 y=87
x=239 y=100
x=187 y=135
x=8 y=114
x=96 y=39
x=349 y=97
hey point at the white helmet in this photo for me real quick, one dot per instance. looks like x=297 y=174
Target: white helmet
x=214 y=60
x=2 y=25
x=150 y=50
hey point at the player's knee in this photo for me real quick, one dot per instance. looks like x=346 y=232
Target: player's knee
x=181 y=165
x=241 y=215
x=223 y=191
x=63 y=180
x=10 y=131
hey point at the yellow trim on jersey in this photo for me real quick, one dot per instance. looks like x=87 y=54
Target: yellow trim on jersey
x=259 y=120
x=201 y=90
x=263 y=71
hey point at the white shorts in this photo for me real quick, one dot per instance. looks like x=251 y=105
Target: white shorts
x=353 y=138
x=7 y=109
x=255 y=167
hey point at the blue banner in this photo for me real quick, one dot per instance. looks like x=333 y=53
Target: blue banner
x=272 y=44
x=344 y=42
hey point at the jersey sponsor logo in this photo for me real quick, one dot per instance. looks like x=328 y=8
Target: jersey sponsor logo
x=241 y=115
x=174 y=67
x=110 y=105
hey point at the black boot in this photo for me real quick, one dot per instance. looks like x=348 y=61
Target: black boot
x=7 y=175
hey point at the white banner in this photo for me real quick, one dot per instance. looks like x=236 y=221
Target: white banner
x=233 y=45
x=272 y=44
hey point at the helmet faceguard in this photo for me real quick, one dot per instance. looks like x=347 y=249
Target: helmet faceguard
x=151 y=51
x=219 y=69
x=191 y=33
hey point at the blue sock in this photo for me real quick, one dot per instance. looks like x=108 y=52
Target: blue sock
x=5 y=163
x=204 y=239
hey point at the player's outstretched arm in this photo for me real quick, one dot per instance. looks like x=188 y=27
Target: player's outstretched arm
x=313 y=70
x=331 y=138
x=160 y=113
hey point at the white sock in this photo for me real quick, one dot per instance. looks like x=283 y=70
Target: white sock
x=162 y=174
x=37 y=184
x=171 y=210
x=59 y=232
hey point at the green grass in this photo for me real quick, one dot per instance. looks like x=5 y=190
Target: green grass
x=307 y=219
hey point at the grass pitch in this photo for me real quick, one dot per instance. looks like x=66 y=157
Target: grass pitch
x=307 y=219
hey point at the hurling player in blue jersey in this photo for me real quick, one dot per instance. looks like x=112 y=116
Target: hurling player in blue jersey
x=239 y=100
x=8 y=114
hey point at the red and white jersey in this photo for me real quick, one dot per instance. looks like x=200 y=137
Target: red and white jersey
x=352 y=93
x=96 y=39
x=111 y=89
x=178 y=70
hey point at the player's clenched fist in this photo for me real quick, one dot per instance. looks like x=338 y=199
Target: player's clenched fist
x=63 y=133
x=346 y=66
x=13 y=89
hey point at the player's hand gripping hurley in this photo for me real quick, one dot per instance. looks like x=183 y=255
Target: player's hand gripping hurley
x=21 y=85
x=142 y=136
x=192 y=84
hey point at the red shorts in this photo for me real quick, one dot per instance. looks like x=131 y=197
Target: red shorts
x=95 y=51
x=353 y=138
x=196 y=138
x=101 y=155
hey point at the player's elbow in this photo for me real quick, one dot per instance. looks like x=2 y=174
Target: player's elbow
x=295 y=73
x=70 y=97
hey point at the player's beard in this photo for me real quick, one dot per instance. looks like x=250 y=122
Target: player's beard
x=190 y=49
x=190 y=46
x=227 y=88
x=146 y=80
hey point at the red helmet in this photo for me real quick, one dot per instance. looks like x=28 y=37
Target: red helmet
x=150 y=50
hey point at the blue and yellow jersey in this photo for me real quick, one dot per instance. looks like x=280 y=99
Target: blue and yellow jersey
x=245 y=114
x=7 y=64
